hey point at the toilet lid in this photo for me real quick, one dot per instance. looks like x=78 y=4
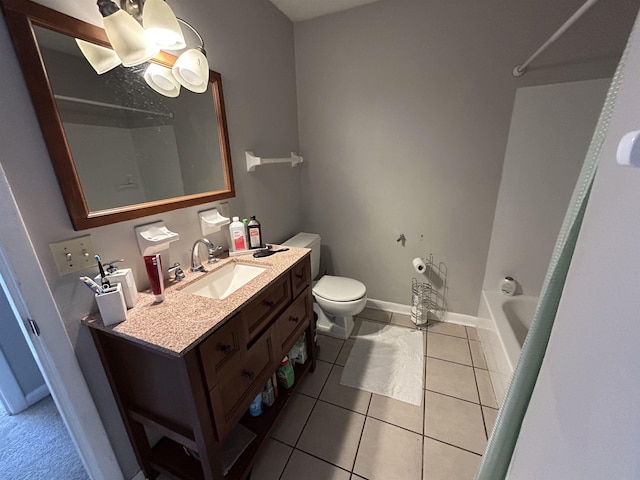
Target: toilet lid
x=339 y=289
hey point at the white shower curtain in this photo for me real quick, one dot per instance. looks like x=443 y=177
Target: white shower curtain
x=499 y=451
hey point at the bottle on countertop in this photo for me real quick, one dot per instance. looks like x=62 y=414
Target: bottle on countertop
x=508 y=286
x=246 y=232
x=236 y=229
x=255 y=233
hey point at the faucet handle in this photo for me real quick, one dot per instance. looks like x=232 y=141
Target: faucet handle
x=212 y=254
x=178 y=272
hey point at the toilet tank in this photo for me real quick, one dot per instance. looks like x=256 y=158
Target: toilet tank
x=308 y=240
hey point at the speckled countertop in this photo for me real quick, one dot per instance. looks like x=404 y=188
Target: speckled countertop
x=177 y=324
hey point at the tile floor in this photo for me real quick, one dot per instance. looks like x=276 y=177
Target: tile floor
x=333 y=432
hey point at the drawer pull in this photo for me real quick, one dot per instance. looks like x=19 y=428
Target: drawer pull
x=225 y=349
x=268 y=303
x=248 y=374
x=294 y=319
x=299 y=275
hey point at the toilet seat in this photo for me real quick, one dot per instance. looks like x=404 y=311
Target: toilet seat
x=339 y=289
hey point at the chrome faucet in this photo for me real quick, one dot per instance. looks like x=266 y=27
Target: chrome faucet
x=196 y=263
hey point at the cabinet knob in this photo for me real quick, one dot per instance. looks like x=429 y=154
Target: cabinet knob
x=226 y=349
x=299 y=275
x=268 y=303
x=248 y=374
x=294 y=319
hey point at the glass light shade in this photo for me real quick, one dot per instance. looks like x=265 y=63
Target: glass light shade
x=162 y=26
x=128 y=39
x=102 y=59
x=192 y=70
x=162 y=80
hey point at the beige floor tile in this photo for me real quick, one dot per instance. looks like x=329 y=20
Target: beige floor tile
x=398 y=413
x=313 y=382
x=345 y=351
x=472 y=334
x=402 y=320
x=271 y=461
x=329 y=348
x=343 y=396
x=377 y=315
x=292 y=420
x=356 y=477
x=487 y=395
x=446 y=347
x=448 y=329
x=305 y=466
x=444 y=462
x=451 y=379
x=387 y=452
x=477 y=355
x=332 y=434
x=454 y=421
x=490 y=415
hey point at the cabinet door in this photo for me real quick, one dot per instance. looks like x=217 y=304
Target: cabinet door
x=264 y=309
x=293 y=321
x=220 y=350
x=233 y=394
x=301 y=276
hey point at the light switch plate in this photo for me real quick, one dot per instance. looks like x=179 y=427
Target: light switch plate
x=73 y=255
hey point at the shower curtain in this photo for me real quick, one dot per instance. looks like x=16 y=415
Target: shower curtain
x=497 y=457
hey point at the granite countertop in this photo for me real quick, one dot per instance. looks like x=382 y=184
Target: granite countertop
x=177 y=324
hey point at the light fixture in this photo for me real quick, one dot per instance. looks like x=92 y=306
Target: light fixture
x=162 y=80
x=161 y=24
x=127 y=37
x=134 y=44
x=102 y=59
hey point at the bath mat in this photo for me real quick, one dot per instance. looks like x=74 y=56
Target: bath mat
x=387 y=360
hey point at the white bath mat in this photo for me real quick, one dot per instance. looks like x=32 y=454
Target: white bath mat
x=387 y=360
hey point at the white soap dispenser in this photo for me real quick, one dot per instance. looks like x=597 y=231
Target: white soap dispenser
x=508 y=286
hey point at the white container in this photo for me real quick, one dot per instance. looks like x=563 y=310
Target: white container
x=123 y=276
x=111 y=305
x=238 y=238
x=508 y=286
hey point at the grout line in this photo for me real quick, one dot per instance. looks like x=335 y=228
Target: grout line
x=355 y=457
x=484 y=423
x=457 y=398
x=400 y=426
x=450 y=361
x=322 y=460
x=452 y=445
x=285 y=463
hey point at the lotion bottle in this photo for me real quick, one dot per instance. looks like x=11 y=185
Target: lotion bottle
x=238 y=239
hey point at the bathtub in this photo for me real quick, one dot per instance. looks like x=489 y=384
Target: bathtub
x=503 y=324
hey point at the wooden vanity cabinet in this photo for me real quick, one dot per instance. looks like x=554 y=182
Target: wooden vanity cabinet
x=194 y=401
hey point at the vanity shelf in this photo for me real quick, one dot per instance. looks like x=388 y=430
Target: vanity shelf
x=253 y=161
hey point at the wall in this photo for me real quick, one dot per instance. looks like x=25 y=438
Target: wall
x=251 y=44
x=551 y=127
x=583 y=419
x=404 y=109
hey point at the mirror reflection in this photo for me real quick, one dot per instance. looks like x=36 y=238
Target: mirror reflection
x=129 y=144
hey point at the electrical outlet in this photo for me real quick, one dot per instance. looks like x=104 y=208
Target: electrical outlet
x=73 y=255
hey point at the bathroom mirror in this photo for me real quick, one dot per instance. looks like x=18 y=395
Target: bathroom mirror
x=119 y=149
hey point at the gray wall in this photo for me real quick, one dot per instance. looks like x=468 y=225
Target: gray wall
x=549 y=135
x=583 y=419
x=404 y=110
x=251 y=44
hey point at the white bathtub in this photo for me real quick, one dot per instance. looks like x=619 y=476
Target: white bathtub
x=503 y=324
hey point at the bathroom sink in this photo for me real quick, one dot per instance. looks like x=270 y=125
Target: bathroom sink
x=222 y=282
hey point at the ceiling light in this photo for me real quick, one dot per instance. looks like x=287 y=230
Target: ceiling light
x=161 y=24
x=126 y=35
x=102 y=59
x=192 y=70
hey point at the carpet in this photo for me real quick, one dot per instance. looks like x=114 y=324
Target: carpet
x=387 y=360
x=35 y=445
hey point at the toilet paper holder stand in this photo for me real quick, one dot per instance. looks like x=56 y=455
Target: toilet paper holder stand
x=428 y=299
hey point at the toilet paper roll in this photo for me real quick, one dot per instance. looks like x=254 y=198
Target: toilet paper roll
x=418 y=265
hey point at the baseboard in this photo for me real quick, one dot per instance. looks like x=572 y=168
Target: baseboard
x=449 y=317
x=37 y=394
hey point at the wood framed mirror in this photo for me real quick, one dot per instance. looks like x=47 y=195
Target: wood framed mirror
x=119 y=149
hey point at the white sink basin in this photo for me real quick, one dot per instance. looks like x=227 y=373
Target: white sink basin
x=223 y=282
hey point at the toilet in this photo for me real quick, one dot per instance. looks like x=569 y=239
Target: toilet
x=337 y=299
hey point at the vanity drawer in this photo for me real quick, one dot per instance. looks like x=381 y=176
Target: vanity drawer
x=220 y=349
x=239 y=385
x=301 y=276
x=259 y=313
x=293 y=321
